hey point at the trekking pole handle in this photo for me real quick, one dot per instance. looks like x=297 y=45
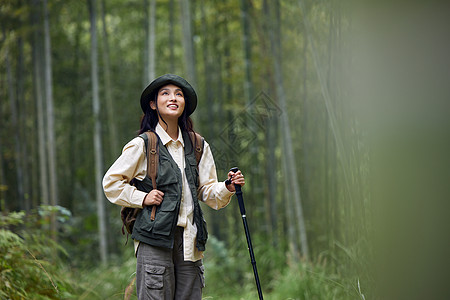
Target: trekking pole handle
x=234 y=170
x=238 y=192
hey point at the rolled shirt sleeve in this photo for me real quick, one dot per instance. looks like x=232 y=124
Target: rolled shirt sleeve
x=213 y=193
x=130 y=164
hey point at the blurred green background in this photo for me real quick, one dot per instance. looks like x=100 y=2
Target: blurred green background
x=337 y=112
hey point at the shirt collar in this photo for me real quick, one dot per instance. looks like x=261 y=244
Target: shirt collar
x=165 y=137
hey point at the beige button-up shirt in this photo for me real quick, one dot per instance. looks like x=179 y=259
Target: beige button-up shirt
x=132 y=163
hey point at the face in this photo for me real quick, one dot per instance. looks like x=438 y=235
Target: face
x=170 y=101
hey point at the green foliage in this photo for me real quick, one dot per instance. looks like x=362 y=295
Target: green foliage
x=109 y=282
x=229 y=275
x=312 y=281
x=226 y=269
x=29 y=263
x=46 y=211
x=31 y=267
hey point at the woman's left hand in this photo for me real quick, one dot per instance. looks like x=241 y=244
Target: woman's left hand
x=236 y=178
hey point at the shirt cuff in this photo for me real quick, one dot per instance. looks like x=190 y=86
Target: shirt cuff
x=138 y=198
x=143 y=199
x=224 y=192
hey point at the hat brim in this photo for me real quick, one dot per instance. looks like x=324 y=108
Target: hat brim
x=189 y=93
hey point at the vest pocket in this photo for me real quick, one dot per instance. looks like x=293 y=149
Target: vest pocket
x=146 y=212
x=166 y=173
x=165 y=217
x=192 y=162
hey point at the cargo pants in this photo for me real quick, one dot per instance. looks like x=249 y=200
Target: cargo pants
x=162 y=273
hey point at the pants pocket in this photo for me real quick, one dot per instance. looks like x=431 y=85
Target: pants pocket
x=154 y=277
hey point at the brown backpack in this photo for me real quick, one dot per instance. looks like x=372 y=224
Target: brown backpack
x=129 y=214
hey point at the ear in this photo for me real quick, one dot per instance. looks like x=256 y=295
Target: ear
x=153 y=105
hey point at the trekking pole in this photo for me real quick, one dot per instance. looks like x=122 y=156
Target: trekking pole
x=247 y=232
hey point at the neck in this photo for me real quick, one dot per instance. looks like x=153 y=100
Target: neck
x=171 y=128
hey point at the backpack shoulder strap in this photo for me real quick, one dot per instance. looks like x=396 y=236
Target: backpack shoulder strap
x=198 y=143
x=152 y=156
x=152 y=162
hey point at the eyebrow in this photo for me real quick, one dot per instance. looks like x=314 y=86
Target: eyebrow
x=166 y=89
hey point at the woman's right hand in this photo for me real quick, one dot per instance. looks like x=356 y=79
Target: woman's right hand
x=155 y=197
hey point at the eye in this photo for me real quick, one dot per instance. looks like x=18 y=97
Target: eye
x=180 y=94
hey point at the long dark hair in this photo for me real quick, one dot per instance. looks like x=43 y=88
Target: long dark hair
x=150 y=119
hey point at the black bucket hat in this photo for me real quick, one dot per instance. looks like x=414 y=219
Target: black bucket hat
x=189 y=93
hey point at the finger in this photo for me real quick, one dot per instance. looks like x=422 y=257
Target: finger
x=238 y=177
x=238 y=172
x=157 y=197
x=239 y=181
x=157 y=192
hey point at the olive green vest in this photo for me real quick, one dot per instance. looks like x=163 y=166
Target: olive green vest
x=159 y=232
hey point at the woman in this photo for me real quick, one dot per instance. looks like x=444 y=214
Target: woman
x=169 y=249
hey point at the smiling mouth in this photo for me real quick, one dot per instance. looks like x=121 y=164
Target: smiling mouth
x=172 y=106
